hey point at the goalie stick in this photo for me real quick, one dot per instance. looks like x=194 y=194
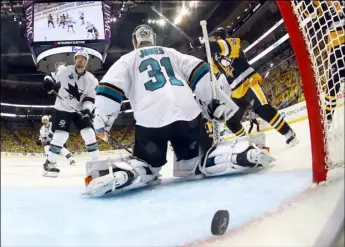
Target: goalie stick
x=215 y=123
x=77 y=111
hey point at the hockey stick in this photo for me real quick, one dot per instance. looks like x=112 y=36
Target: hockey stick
x=215 y=123
x=79 y=112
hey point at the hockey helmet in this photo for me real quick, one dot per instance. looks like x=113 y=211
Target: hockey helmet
x=219 y=32
x=45 y=119
x=82 y=53
x=143 y=33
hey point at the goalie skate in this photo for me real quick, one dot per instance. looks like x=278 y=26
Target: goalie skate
x=261 y=157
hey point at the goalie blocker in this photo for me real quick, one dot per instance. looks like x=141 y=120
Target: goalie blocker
x=126 y=173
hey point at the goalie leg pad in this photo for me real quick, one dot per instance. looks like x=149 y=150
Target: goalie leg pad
x=235 y=155
x=121 y=173
x=186 y=168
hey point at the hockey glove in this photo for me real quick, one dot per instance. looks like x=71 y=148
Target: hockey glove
x=213 y=110
x=86 y=117
x=39 y=142
x=49 y=84
x=50 y=135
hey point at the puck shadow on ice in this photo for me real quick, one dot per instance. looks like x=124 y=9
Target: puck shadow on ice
x=220 y=222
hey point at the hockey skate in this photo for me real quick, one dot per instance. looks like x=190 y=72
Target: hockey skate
x=291 y=138
x=50 y=170
x=72 y=163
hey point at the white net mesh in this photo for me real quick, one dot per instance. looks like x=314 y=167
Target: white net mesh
x=322 y=24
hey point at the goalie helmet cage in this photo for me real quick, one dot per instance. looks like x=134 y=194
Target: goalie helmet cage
x=310 y=74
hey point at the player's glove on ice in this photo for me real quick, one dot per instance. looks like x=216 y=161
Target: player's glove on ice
x=49 y=84
x=86 y=117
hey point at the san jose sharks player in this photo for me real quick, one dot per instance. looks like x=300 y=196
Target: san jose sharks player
x=46 y=135
x=78 y=87
x=159 y=83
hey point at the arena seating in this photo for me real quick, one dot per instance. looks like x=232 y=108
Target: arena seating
x=24 y=140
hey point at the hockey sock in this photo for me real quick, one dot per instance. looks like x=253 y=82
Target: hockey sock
x=273 y=117
x=234 y=123
x=93 y=150
x=90 y=141
x=53 y=154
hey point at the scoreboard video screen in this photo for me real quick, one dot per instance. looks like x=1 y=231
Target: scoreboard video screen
x=67 y=21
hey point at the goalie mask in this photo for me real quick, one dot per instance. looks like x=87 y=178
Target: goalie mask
x=80 y=64
x=143 y=33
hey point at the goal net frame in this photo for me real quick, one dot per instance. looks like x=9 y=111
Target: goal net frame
x=309 y=82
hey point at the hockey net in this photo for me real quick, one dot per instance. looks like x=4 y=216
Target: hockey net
x=316 y=31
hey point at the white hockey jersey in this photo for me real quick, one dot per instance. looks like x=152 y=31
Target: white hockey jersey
x=46 y=133
x=159 y=83
x=78 y=90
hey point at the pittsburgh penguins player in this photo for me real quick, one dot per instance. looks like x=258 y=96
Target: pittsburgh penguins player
x=159 y=83
x=327 y=18
x=229 y=59
x=76 y=86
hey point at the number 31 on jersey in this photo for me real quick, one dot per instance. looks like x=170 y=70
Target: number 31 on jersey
x=156 y=72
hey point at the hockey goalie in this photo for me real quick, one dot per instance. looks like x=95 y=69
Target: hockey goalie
x=159 y=83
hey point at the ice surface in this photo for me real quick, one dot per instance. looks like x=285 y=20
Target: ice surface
x=39 y=211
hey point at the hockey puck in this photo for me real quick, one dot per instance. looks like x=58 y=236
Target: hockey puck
x=220 y=222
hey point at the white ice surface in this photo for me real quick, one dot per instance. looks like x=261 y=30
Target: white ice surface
x=277 y=207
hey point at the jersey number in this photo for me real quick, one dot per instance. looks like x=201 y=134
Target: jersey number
x=156 y=72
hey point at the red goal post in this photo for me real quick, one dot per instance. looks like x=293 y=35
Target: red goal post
x=309 y=71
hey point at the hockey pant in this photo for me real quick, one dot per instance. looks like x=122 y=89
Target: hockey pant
x=256 y=98
x=61 y=126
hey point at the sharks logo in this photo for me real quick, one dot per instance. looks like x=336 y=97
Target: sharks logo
x=74 y=92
